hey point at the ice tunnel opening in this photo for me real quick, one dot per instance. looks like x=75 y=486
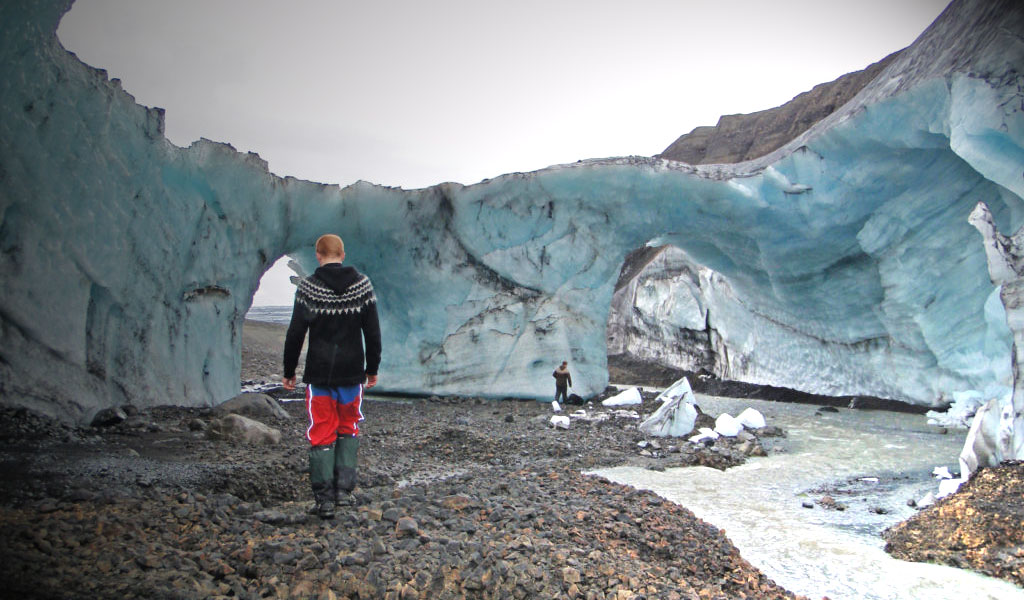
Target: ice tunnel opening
x=275 y=288
x=661 y=312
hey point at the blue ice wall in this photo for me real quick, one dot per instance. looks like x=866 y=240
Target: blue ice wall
x=128 y=263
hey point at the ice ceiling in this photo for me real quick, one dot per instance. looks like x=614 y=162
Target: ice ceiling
x=128 y=263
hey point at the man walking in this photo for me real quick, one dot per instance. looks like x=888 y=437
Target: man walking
x=336 y=304
x=563 y=380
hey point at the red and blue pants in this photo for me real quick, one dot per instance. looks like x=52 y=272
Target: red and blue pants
x=333 y=411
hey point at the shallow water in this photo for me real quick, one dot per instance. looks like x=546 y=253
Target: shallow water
x=870 y=461
x=270 y=314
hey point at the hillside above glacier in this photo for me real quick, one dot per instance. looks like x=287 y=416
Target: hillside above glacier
x=736 y=138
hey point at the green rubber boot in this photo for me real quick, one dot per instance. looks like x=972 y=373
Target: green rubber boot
x=321 y=476
x=346 y=451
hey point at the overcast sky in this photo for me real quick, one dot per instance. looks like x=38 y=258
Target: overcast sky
x=416 y=92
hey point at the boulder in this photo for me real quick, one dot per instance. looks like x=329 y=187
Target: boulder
x=243 y=429
x=109 y=417
x=252 y=404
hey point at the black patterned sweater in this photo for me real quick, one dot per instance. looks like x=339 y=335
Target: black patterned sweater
x=336 y=304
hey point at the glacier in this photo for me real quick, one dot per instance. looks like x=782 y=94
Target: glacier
x=997 y=433
x=842 y=263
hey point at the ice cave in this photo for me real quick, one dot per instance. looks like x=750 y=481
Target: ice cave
x=843 y=263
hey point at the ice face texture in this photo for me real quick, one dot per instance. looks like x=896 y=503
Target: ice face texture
x=997 y=433
x=128 y=263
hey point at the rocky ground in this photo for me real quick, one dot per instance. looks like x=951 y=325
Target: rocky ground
x=457 y=498
x=981 y=527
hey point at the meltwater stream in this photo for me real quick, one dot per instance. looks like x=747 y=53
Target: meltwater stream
x=870 y=461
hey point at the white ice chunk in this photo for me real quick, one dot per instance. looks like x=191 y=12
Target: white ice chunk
x=948 y=486
x=556 y=407
x=704 y=434
x=942 y=473
x=677 y=414
x=297 y=268
x=727 y=425
x=679 y=389
x=965 y=405
x=626 y=398
x=927 y=501
x=981 y=448
x=751 y=418
x=560 y=421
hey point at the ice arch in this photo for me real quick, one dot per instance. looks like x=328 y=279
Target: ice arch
x=128 y=263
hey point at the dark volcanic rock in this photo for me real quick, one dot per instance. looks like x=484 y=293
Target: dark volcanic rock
x=482 y=506
x=737 y=138
x=981 y=527
x=109 y=416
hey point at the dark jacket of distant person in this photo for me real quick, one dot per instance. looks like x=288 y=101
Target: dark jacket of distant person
x=562 y=377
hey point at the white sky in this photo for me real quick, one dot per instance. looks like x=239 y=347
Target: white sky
x=416 y=92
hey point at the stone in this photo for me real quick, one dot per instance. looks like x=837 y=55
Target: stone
x=254 y=405
x=571 y=575
x=771 y=431
x=830 y=503
x=406 y=526
x=237 y=428
x=109 y=416
x=456 y=502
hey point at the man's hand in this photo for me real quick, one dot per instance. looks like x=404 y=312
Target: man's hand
x=288 y=383
x=371 y=380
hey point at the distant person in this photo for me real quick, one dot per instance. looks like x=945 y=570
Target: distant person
x=563 y=381
x=338 y=307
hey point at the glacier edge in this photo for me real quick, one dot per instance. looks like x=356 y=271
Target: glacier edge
x=843 y=262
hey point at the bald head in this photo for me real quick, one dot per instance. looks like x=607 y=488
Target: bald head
x=330 y=248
